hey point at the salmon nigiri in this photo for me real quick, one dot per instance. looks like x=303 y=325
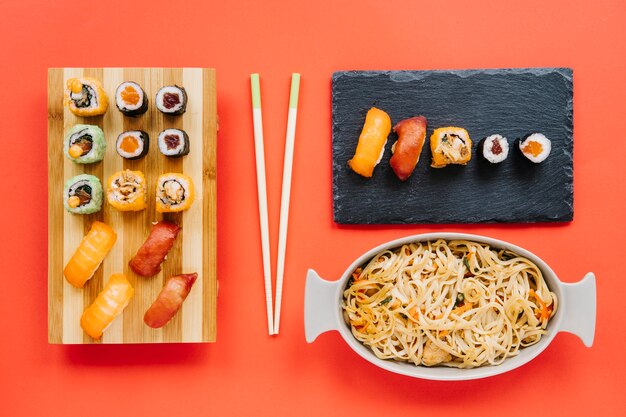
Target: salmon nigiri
x=110 y=303
x=89 y=254
x=369 y=150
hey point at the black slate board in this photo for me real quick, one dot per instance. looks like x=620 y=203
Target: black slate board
x=511 y=102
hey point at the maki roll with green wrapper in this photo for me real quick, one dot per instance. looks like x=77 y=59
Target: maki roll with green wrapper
x=84 y=144
x=82 y=194
x=173 y=143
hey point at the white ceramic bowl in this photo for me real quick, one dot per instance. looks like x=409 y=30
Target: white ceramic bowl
x=576 y=313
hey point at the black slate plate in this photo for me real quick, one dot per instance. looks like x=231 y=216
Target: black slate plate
x=511 y=102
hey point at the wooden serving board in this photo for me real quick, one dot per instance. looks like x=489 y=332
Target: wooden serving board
x=195 y=247
x=511 y=102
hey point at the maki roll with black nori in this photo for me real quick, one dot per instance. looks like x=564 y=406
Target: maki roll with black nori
x=130 y=99
x=174 y=143
x=171 y=99
x=132 y=144
x=86 y=97
x=82 y=194
x=84 y=144
x=536 y=147
x=494 y=148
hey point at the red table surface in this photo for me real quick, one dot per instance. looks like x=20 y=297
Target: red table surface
x=248 y=372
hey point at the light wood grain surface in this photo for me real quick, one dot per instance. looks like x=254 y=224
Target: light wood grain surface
x=195 y=247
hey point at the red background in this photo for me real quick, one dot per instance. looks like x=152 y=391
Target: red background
x=247 y=372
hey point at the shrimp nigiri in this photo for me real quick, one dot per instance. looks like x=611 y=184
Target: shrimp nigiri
x=406 y=151
x=89 y=254
x=371 y=146
x=110 y=303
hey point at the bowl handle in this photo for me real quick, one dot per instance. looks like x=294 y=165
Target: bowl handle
x=320 y=306
x=579 y=317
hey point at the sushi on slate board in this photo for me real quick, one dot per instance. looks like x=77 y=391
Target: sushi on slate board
x=494 y=148
x=450 y=145
x=536 y=147
x=371 y=145
x=406 y=151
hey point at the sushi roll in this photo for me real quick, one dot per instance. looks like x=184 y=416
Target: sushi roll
x=536 y=147
x=174 y=143
x=130 y=99
x=494 y=148
x=126 y=190
x=450 y=145
x=371 y=146
x=132 y=144
x=82 y=194
x=171 y=99
x=406 y=151
x=84 y=144
x=174 y=192
x=85 y=97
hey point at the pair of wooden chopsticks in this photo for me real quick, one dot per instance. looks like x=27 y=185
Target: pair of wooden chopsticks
x=273 y=318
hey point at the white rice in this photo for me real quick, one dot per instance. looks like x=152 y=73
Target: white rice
x=546 y=147
x=488 y=149
x=174 y=90
x=134 y=133
x=121 y=104
x=163 y=145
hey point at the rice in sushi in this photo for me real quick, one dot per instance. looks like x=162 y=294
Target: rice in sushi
x=494 y=148
x=130 y=99
x=132 y=144
x=174 y=192
x=86 y=97
x=171 y=99
x=536 y=147
x=82 y=194
x=450 y=145
x=84 y=144
x=173 y=142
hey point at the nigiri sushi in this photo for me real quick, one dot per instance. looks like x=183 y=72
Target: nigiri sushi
x=371 y=146
x=406 y=151
x=147 y=261
x=109 y=304
x=89 y=254
x=169 y=300
x=450 y=145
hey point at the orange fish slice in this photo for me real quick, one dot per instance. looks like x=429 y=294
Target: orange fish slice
x=89 y=254
x=110 y=303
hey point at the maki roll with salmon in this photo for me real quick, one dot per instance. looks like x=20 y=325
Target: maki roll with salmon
x=450 y=145
x=371 y=145
x=406 y=151
x=82 y=194
x=132 y=144
x=130 y=99
x=536 y=147
x=174 y=143
x=174 y=192
x=171 y=99
x=85 y=97
x=84 y=144
x=494 y=148
x=126 y=190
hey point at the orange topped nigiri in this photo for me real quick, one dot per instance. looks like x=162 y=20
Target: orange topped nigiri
x=369 y=150
x=89 y=254
x=110 y=303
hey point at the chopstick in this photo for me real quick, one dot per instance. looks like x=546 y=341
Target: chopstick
x=285 y=194
x=262 y=194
